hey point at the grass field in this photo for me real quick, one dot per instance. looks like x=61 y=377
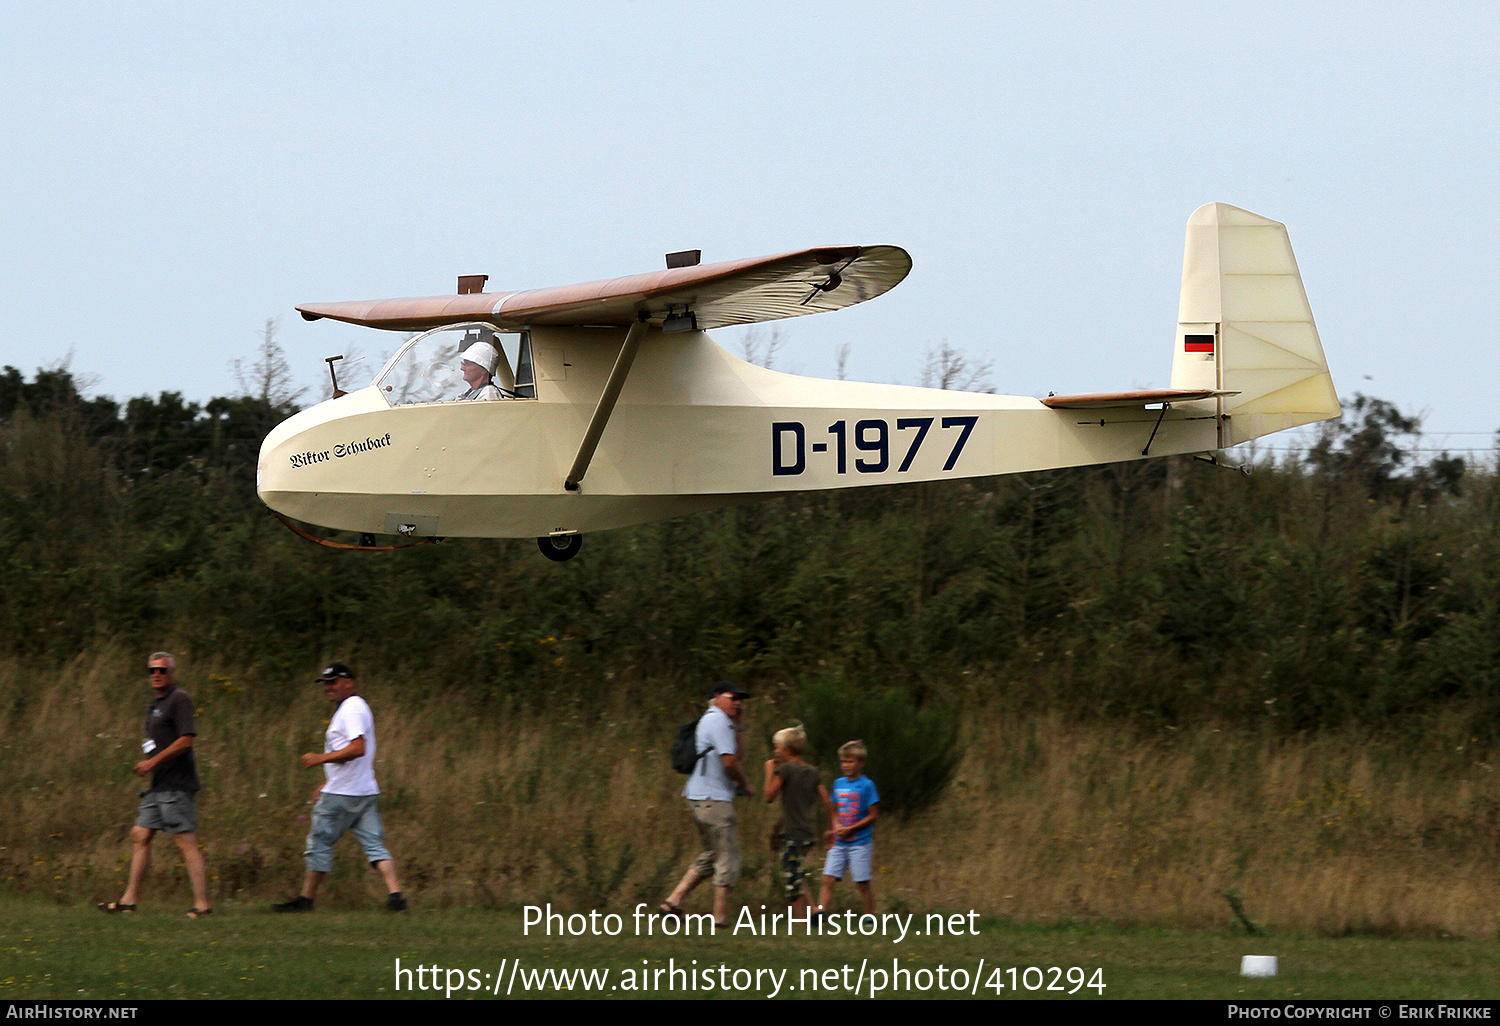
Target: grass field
x=74 y=953
x=1083 y=846
x=1329 y=834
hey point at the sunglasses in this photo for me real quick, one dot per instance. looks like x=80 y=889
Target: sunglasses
x=153 y=671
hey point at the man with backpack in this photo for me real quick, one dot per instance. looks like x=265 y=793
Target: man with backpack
x=716 y=777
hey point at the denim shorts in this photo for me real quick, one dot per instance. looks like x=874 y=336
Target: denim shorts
x=335 y=815
x=857 y=859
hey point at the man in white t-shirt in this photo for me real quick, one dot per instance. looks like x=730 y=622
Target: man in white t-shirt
x=347 y=800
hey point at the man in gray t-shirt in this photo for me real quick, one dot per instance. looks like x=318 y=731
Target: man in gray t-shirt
x=169 y=803
x=710 y=792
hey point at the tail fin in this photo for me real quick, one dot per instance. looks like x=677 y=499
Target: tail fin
x=1245 y=326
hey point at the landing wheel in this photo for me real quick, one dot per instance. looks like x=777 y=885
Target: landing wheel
x=560 y=547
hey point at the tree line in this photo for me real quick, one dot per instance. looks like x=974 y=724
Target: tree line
x=1356 y=586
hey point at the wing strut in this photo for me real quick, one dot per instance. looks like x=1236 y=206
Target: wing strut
x=606 y=403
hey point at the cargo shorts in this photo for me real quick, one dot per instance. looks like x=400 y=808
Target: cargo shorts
x=721 y=848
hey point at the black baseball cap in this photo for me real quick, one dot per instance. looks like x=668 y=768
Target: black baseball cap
x=729 y=687
x=333 y=672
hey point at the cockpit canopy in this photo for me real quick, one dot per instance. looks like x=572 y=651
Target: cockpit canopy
x=429 y=368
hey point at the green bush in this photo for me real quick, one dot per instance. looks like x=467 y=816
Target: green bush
x=913 y=752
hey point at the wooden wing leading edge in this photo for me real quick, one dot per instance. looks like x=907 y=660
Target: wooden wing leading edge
x=715 y=295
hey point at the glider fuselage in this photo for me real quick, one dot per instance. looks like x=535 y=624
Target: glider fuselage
x=695 y=428
x=619 y=411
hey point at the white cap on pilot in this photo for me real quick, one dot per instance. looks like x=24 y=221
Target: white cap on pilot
x=483 y=354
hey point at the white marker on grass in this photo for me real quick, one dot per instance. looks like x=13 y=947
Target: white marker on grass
x=1258 y=965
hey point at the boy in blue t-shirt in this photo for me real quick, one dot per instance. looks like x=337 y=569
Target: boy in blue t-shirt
x=854 y=801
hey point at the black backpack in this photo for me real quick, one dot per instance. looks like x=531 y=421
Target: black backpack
x=685 y=754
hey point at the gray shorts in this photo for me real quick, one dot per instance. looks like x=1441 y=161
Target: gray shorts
x=721 y=848
x=172 y=811
x=333 y=816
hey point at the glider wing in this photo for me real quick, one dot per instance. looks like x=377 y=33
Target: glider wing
x=702 y=296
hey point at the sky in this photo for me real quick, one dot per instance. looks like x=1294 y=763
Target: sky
x=174 y=175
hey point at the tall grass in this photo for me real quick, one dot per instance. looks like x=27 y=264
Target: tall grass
x=493 y=804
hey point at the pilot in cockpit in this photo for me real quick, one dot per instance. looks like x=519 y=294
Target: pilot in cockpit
x=479 y=363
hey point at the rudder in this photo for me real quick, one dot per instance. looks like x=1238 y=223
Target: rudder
x=1244 y=325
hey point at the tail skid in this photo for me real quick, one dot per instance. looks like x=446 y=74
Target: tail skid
x=1245 y=327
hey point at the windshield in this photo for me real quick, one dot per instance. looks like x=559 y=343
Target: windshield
x=432 y=367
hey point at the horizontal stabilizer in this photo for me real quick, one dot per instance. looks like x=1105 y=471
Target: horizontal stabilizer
x=702 y=296
x=1122 y=400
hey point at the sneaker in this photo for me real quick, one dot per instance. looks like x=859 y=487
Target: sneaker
x=297 y=904
x=395 y=902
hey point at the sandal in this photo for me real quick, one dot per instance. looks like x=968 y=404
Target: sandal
x=199 y=913
x=109 y=908
x=669 y=909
